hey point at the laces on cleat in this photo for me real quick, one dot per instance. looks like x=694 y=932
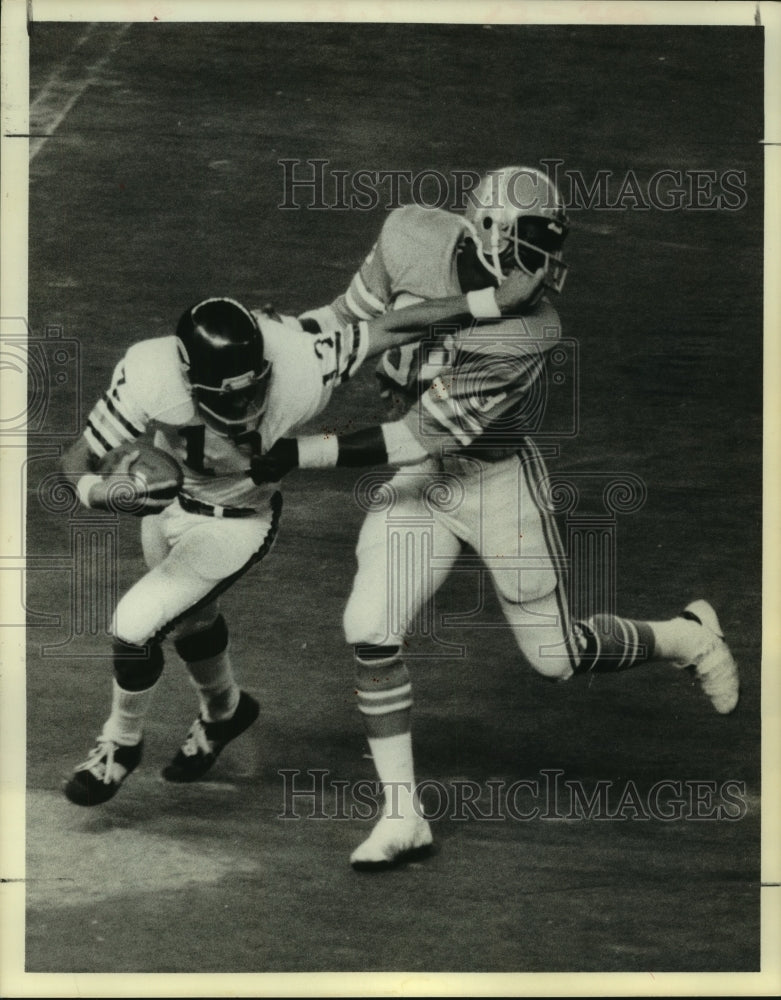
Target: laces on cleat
x=205 y=741
x=100 y=760
x=99 y=777
x=196 y=742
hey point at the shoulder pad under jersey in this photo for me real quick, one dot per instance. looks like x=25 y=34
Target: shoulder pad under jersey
x=418 y=249
x=154 y=373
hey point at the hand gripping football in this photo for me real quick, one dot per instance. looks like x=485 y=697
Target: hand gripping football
x=142 y=479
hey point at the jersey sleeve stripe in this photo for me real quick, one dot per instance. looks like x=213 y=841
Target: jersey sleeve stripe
x=115 y=411
x=352 y=355
x=360 y=345
x=107 y=428
x=359 y=336
x=111 y=422
x=371 y=300
x=354 y=306
x=99 y=444
x=107 y=434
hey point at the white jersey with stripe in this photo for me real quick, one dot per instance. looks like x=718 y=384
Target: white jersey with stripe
x=150 y=393
x=487 y=393
x=480 y=388
x=414 y=255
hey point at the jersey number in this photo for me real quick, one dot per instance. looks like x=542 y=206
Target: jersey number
x=195 y=438
x=327 y=342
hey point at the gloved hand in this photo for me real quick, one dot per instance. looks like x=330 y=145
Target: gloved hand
x=280 y=459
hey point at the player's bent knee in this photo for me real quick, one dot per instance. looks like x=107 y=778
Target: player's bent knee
x=196 y=621
x=137 y=667
x=134 y=623
x=209 y=641
x=362 y=625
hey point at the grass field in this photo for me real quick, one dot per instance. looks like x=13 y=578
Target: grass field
x=161 y=186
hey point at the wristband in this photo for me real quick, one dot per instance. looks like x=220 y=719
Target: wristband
x=364 y=447
x=482 y=304
x=318 y=452
x=84 y=485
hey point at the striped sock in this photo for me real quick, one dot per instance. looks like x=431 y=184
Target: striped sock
x=384 y=693
x=384 y=690
x=609 y=643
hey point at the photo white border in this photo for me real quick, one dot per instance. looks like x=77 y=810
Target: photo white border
x=14 y=982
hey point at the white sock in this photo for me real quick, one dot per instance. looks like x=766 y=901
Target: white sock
x=218 y=692
x=396 y=770
x=125 y=725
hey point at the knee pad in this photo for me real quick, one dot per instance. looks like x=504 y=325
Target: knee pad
x=365 y=619
x=204 y=644
x=137 y=668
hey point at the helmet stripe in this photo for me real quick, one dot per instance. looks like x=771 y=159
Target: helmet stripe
x=224 y=298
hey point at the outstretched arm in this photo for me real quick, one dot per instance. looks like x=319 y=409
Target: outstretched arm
x=403 y=325
x=379 y=444
x=470 y=399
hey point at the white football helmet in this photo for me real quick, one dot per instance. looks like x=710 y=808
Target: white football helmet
x=518 y=219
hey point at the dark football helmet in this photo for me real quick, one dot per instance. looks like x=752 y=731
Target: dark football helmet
x=222 y=349
x=518 y=219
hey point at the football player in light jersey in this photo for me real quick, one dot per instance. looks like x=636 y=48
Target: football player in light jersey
x=216 y=395
x=472 y=473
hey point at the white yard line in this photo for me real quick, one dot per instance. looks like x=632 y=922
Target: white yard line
x=49 y=107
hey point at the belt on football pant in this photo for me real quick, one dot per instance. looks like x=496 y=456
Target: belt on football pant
x=193 y=506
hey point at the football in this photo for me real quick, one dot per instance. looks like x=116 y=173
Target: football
x=153 y=465
x=159 y=477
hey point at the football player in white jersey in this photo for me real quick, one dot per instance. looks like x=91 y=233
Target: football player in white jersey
x=216 y=396
x=471 y=473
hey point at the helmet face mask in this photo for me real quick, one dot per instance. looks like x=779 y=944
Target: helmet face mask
x=518 y=220
x=222 y=349
x=536 y=243
x=237 y=406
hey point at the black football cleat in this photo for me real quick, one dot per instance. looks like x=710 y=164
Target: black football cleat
x=206 y=741
x=99 y=778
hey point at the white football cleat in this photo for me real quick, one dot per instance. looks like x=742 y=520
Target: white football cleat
x=392 y=841
x=714 y=663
